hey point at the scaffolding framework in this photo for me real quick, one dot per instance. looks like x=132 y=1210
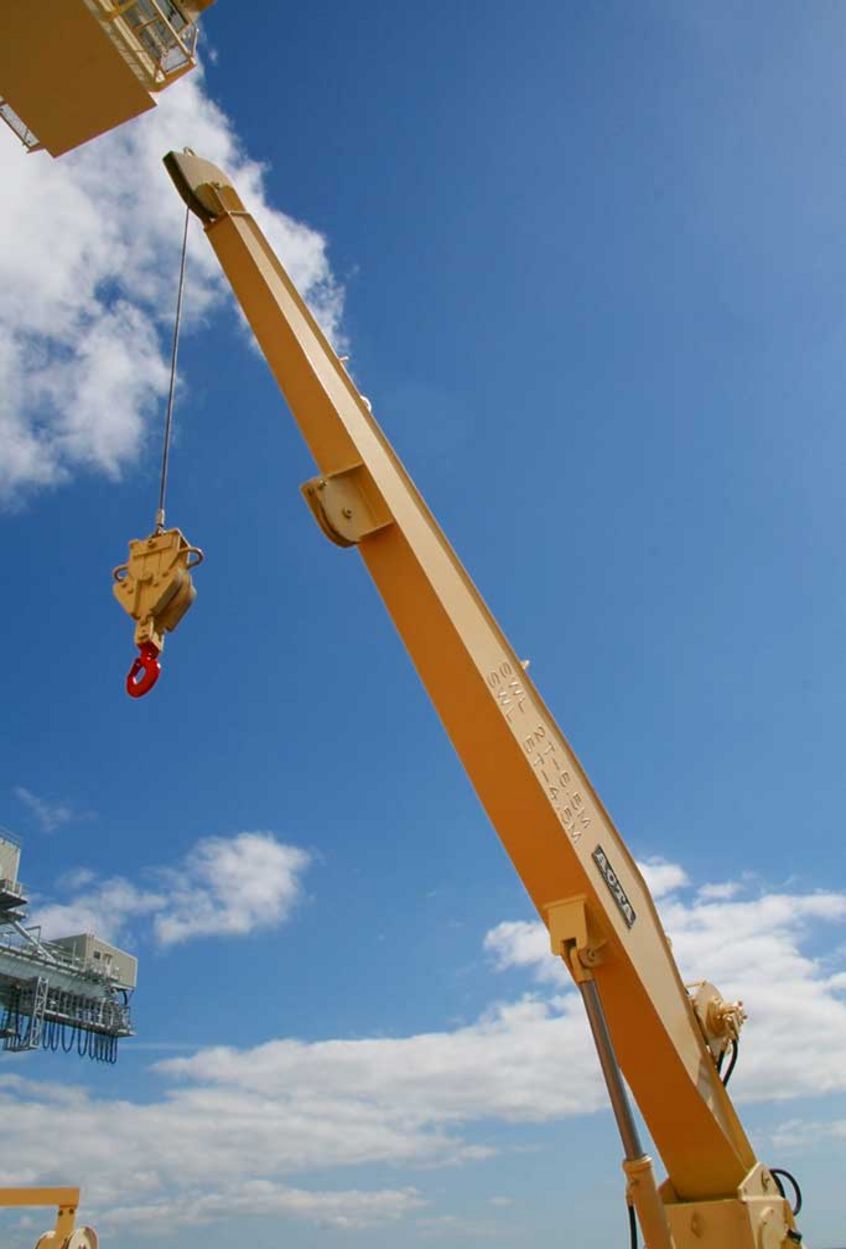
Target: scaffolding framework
x=51 y=997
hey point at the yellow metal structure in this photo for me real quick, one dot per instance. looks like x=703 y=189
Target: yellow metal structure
x=65 y=1235
x=72 y=69
x=154 y=586
x=577 y=870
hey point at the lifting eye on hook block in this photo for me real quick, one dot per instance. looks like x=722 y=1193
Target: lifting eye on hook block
x=154 y=586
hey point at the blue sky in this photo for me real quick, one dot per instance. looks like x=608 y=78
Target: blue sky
x=587 y=262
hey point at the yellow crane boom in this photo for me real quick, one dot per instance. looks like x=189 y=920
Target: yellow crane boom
x=577 y=870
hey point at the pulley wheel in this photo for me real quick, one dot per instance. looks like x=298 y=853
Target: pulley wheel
x=82 y=1238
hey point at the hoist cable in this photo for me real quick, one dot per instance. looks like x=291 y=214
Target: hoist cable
x=160 y=514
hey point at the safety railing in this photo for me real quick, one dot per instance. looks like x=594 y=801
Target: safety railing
x=155 y=37
x=29 y=140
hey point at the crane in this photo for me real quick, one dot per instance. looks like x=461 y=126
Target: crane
x=72 y=69
x=651 y=1033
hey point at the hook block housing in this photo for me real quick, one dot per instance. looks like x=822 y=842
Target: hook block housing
x=154 y=586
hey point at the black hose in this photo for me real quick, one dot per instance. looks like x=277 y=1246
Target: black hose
x=735 y=1050
x=632 y=1226
x=775 y=1172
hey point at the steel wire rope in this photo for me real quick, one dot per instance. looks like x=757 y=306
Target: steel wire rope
x=160 y=514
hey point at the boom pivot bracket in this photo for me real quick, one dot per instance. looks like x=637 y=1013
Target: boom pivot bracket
x=757 y=1215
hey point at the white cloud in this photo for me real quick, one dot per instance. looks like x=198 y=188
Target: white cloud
x=506 y=1065
x=225 y=886
x=231 y=886
x=50 y=815
x=186 y=1160
x=719 y=892
x=799 y=1134
x=287 y=1108
x=347 y=1210
x=477 y=1230
x=662 y=877
x=76 y=878
x=88 y=268
x=106 y=907
x=524 y=944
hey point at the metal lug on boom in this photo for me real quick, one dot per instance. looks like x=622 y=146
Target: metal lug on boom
x=573 y=936
x=347 y=505
x=155 y=588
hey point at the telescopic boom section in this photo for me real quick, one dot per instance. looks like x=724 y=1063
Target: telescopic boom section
x=553 y=825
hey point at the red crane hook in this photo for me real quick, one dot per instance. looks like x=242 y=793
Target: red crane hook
x=145 y=671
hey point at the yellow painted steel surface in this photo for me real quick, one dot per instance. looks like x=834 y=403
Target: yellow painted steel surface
x=62 y=1197
x=62 y=74
x=72 y=69
x=551 y=822
x=154 y=587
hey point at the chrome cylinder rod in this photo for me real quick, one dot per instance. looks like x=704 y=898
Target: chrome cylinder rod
x=611 y=1070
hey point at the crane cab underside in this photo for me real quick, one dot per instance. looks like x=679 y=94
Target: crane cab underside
x=73 y=69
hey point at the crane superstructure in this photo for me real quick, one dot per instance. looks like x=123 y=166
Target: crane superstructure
x=665 y=1040
x=73 y=69
x=70 y=993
